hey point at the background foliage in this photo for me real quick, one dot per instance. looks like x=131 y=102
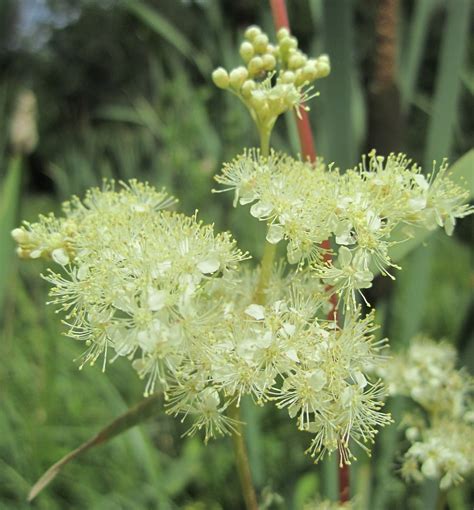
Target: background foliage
x=123 y=90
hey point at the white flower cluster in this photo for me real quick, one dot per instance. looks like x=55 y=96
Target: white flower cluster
x=164 y=291
x=275 y=78
x=135 y=279
x=305 y=204
x=59 y=238
x=282 y=352
x=443 y=444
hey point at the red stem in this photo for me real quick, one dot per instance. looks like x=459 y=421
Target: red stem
x=308 y=150
x=344 y=483
x=280 y=18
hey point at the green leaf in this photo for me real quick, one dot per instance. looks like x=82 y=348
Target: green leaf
x=9 y=199
x=414 y=50
x=135 y=415
x=334 y=115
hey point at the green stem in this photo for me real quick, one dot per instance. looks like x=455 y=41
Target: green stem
x=441 y=500
x=242 y=460
x=269 y=249
x=266 y=266
x=240 y=449
x=265 y=141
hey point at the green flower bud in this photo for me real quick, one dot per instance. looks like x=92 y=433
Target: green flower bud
x=299 y=78
x=288 y=43
x=260 y=43
x=255 y=65
x=246 y=51
x=247 y=88
x=252 y=32
x=269 y=62
x=287 y=77
x=283 y=33
x=310 y=72
x=323 y=66
x=271 y=49
x=297 y=60
x=220 y=77
x=238 y=76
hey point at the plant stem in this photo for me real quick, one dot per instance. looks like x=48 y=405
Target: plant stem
x=269 y=249
x=242 y=460
x=441 y=500
x=240 y=449
x=266 y=266
x=280 y=18
x=344 y=483
x=265 y=141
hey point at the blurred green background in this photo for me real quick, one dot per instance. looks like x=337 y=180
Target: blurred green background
x=123 y=90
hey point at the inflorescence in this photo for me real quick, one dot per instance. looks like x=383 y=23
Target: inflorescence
x=306 y=203
x=275 y=78
x=442 y=435
x=134 y=280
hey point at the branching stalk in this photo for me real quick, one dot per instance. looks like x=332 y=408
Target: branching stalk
x=242 y=460
x=240 y=449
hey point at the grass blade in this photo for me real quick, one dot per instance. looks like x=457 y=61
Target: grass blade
x=336 y=140
x=414 y=51
x=448 y=83
x=10 y=197
x=167 y=31
x=135 y=415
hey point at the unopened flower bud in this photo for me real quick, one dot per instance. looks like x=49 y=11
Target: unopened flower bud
x=20 y=235
x=269 y=62
x=283 y=33
x=252 y=32
x=323 y=66
x=288 y=43
x=287 y=77
x=247 y=88
x=296 y=60
x=260 y=43
x=299 y=78
x=255 y=65
x=221 y=78
x=246 y=51
x=271 y=49
x=238 y=76
x=310 y=72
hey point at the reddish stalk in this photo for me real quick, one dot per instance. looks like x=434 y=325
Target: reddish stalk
x=280 y=18
x=308 y=150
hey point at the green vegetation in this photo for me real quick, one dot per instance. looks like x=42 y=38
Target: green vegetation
x=124 y=90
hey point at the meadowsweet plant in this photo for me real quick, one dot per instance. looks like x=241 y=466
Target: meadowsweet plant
x=133 y=279
x=442 y=433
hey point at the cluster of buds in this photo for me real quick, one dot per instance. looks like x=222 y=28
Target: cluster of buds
x=274 y=79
